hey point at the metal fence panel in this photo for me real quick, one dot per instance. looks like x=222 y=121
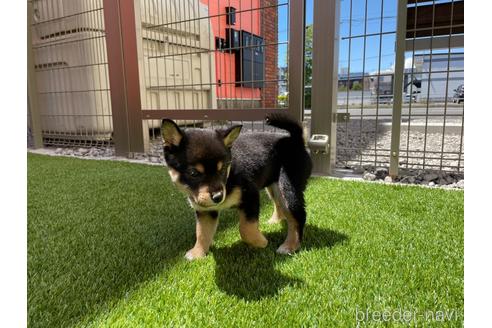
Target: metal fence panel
x=212 y=63
x=429 y=133
x=70 y=65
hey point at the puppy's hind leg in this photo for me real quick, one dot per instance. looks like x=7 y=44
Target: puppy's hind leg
x=292 y=193
x=249 y=211
x=278 y=208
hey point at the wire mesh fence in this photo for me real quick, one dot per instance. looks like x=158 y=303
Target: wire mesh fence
x=432 y=111
x=195 y=55
x=70 y=64
x=213 y=55
x=213 y=63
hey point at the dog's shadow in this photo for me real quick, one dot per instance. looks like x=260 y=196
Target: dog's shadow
x=250 y=274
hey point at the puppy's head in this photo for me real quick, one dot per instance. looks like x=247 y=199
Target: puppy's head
x=199 y=160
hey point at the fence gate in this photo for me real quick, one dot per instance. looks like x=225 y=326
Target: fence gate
x=207 y=63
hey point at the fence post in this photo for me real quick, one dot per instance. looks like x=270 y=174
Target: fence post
x=121 y=44
x=140 y=56
x=32 y=90
x=325 y=80
x=296 y=58
x=398 y=87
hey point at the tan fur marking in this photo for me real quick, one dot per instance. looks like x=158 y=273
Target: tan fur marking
x=205 y=231
x=250 y=233
x=219 y=165
x=292 y=243
x=174 y=175
x=200 y=168
x=278 y=212
x=203 y=197
x=175 y=179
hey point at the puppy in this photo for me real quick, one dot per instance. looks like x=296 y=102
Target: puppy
x=222 y=169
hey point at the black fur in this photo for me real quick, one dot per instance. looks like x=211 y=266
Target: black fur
x=257 y=160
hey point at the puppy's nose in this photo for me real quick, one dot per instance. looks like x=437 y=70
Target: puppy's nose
x=217 y=196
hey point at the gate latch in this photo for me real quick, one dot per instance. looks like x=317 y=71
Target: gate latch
x=319 y=143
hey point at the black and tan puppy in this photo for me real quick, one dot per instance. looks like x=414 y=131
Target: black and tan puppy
x=222 y=169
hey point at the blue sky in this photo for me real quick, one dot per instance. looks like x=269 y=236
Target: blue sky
x=357 y=26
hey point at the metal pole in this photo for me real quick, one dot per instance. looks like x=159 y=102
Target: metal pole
x=141 y=68
x=398 y=87
x=121 y=43
x=325 y=80
x=32 y=90
x=296 y=58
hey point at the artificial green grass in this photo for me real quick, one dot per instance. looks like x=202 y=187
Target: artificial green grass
x=106 y=242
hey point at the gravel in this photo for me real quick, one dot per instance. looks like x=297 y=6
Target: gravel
x=422 y=177
x=369 y=176
x=381 y=172
x=430 y=176
x=357 y=141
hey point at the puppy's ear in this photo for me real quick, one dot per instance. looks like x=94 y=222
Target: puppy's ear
x=230 y=135
x=171 y=134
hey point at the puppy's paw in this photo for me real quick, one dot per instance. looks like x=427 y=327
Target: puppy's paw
x=194 y=254
x=288 y=248
x=259 y=241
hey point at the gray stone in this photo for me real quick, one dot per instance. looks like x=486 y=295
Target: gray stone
x=430 y=176
x=97 y=152
x=59 y=150
x=83 y=151
x=369 y=176
x=388 y=179
x=358 y=169
x=381 y=172
x=154 y=159
x=442 y=182
x=460 y=184
x=449 y=179
x=432 y=184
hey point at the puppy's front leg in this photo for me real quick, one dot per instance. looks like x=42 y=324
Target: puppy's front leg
x=206 y=225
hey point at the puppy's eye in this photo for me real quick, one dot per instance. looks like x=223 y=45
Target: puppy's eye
x=194 y=172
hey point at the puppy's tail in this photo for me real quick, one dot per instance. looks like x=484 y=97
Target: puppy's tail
x=285 y=122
